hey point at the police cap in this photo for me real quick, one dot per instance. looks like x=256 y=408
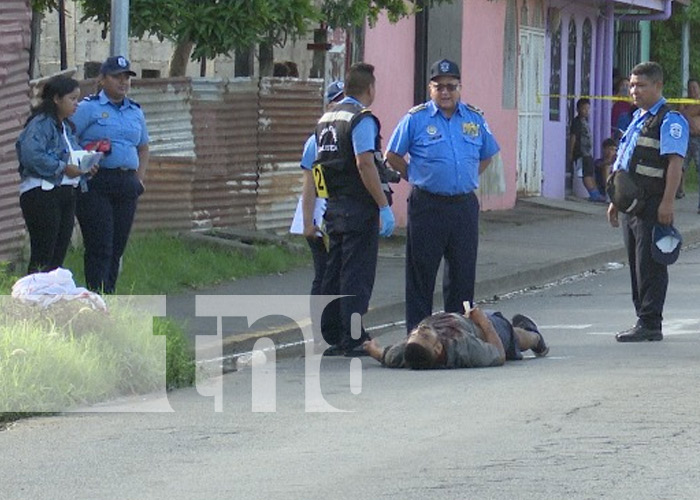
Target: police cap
x=444 y=67
x=115 y=65
x=666 y=244
x=334 y=90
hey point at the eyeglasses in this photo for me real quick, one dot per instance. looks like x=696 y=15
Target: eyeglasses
x=450 y=87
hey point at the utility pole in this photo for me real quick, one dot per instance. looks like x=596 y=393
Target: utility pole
x=685 y=56
x=119 y=33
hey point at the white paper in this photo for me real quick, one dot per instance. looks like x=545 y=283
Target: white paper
x=298 y=221
x=85 y=160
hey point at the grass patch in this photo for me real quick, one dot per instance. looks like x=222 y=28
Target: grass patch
x=70 y=355
x=157 y=263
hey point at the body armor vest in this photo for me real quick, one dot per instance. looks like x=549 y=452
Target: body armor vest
x=647 y=166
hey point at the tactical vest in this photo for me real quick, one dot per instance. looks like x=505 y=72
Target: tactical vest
x=335 y=170
x=647 y=165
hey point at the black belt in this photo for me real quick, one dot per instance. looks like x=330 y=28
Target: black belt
x=443 y=197
x=118 y=170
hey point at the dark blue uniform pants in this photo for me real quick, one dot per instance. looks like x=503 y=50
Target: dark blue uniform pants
x=353 y=230
x=649 y=278
x=440 y=226
x=105 y=213
x=320 y=256
x=49 y=216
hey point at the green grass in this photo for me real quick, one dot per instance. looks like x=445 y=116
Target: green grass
x=62 y=357
x=157 y=264
x=691 y=179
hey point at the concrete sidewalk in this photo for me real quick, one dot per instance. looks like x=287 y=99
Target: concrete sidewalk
x=537 y=242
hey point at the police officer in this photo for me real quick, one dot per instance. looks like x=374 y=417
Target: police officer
x=312 y=205
x=357 y=212
x=449 y=144
x=652 y=151
x=106 y=210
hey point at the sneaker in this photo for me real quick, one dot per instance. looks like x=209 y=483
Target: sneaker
x=334 y=350
x=522 y=321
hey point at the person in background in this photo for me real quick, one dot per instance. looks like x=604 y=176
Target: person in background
x=621 y=113
x=692 y=114
x=652 y=151
x=450 y=145
x=106 y=211
x=603 y=165
x=314 y=207
x=48 y=174
x=581 y=150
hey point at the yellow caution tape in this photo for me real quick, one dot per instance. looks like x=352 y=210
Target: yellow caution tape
x=672 y=100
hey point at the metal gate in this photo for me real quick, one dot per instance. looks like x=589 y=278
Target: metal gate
x=530 y=62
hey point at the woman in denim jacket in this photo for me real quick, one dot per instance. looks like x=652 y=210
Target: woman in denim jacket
x=48 y=177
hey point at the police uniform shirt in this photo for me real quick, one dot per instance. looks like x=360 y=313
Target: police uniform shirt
x=445 y=153
x=308 y=157
x=674 y=135
x=364 y=134
x=125 y=126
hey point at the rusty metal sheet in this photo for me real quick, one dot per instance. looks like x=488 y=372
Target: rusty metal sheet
x=289 y=110
x=167 y=202
x=224 y=115
x=15 y=33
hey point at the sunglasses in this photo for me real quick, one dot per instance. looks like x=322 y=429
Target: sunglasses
x=450 y=87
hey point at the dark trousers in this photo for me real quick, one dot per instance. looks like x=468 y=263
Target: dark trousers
x=105 y=213
x=320 y=256
x=440 y=226
x=49 y=216
x=649 y=278
x=353 y=230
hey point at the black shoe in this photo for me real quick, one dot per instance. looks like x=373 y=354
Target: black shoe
x=522 y=321
x=334 y=350
x=639 y=334
x=356 y=352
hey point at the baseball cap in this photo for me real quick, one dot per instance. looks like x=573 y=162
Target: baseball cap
x=666 y=244
x=444 y=67
x=334 y=90
x=115 y=65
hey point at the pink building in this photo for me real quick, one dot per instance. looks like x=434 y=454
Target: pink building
x=524 y=63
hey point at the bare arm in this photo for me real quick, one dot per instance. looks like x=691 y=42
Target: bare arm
x=673 y=180
x=490 y=336
x=397 y=163
x=374 y=349
x=613 y=216
x=484 y=164
x=370 y=177
x=144 y=156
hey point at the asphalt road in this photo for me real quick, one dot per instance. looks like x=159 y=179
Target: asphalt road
x=595 y=419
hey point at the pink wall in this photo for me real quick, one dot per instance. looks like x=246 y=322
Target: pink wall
x=482 y=81
x=391 y=49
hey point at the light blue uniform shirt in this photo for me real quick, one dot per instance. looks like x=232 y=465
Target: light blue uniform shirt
x=674 y=135
x=125 y=126
x=445 y=153
x=308 y=157
x=365 y=132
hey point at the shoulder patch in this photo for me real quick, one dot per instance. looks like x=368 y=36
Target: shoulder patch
x=416 y=109
x=475 y=109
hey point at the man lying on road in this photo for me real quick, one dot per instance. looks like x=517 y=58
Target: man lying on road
x=450 y=340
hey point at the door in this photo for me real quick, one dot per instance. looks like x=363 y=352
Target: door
x=530 y=125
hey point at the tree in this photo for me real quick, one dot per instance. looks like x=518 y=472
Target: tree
x=666 y=46
x=209 y=28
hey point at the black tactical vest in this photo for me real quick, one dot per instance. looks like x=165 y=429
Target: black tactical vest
x=647 y=165
x=335 y=153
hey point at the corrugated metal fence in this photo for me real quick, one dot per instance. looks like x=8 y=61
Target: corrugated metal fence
x=15 y=36
x=223 y=152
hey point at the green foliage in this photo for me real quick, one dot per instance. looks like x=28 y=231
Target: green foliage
x=666 y=46
x=218 y=27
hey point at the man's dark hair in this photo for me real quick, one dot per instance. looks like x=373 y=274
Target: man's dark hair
x=418 y=357
x=650 y=70
x=609 y=142
x=359 y=78
x=581 y=102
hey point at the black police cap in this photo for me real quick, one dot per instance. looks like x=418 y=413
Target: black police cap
x=444 y=67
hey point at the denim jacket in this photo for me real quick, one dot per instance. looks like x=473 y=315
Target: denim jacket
x=42 y=150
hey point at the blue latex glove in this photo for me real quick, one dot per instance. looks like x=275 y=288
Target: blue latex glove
x=386 y=217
